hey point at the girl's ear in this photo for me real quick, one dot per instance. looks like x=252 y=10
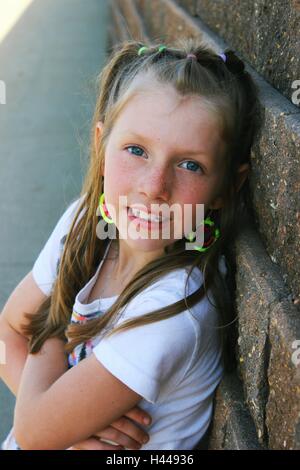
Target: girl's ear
x=243 y=172
x=98 y=134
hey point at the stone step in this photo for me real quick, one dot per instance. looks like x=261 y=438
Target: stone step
x=275 y=193
x=232 y=427
x=269 y=328
x=272 y=40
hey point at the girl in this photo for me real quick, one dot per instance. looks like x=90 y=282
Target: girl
x=139 y=319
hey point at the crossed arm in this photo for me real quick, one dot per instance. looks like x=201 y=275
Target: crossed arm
x=56 y=407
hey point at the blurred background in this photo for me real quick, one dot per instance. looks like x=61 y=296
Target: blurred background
x=51 y=52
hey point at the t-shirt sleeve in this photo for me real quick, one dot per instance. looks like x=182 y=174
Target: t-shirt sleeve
x=150 y=359
x=45 y=268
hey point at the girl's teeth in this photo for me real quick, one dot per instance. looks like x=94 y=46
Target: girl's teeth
x=144 y=216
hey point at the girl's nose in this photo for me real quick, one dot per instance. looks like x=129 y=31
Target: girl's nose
x=155 y=184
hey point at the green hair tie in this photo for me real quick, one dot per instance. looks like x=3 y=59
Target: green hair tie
x=142 y=49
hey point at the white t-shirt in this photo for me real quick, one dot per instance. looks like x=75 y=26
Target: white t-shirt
x=174 y=364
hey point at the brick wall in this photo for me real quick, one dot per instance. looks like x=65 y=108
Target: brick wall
x=258 y=405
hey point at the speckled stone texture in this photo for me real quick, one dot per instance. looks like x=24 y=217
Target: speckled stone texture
x=266 y=33
x=283 y=407
x=268 y=325
x=165 y=20
x=232 y=427
x=275 y=186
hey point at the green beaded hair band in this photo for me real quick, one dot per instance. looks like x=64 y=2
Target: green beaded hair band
x=161 y=48
x=144 y=48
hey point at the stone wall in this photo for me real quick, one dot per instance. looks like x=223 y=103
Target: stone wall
x=257 y=406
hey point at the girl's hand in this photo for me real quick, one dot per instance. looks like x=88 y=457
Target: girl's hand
x=122 y=431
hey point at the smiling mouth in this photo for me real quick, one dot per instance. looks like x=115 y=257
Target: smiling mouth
x=147 y=223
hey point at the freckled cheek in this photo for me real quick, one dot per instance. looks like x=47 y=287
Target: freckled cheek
x=193 y=195
x=118 y=179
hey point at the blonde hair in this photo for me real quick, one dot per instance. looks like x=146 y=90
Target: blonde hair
x=230 y=91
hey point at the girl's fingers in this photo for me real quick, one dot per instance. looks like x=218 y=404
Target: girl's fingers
x=131 y=428
x=94 y=444
x=119 y=436
x=139 y=415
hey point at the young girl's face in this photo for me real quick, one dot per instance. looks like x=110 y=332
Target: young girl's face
x=162 y=151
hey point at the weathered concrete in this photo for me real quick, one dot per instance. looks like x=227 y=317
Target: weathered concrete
x=232 y=426
x=267 y=314
x=283 y=407
x=266 y=33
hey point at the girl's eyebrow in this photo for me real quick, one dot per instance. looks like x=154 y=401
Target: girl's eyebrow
x=146 y=139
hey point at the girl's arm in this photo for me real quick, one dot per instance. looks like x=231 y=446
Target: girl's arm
x=16 y=350
x=56 y=408
x=26 y=297
x=123 y=431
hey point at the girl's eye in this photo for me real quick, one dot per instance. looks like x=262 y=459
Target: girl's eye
x=134 y=147
x=193 y=166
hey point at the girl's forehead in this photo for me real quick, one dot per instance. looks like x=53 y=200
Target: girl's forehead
x=162 y=115
x=164 y=101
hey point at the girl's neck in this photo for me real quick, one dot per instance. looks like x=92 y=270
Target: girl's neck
x=124 y=264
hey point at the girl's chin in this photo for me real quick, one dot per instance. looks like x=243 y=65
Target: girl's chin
x=141 y=242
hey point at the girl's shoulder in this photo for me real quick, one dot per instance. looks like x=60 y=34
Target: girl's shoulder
x=45 y=267
x=175 y=284
x=170 y=288
x=64 y=223
x=197 y=273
